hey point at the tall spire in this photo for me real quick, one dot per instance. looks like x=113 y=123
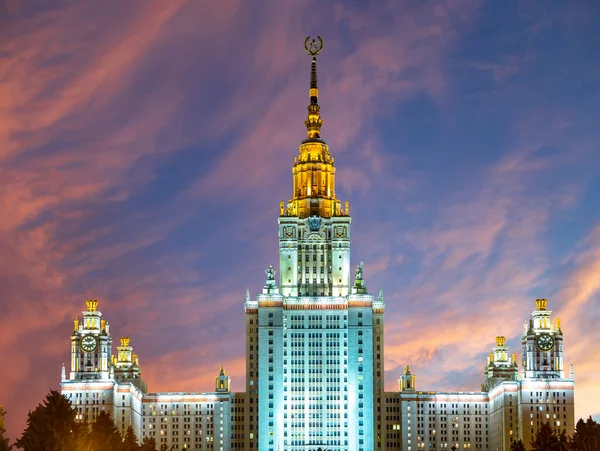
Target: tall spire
x=313 y=172
x=313 y=122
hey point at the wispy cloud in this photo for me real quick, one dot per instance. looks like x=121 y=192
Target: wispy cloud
x=141 y=144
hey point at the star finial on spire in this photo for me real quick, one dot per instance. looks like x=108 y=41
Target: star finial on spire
x=313 y=122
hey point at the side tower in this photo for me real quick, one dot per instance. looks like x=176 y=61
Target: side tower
x=500 y=366
x=100 y=381
x=317 y=377
x=542 y=345
x=127 y=366
x=546 y=395
x=502 y=386
x=91 y=345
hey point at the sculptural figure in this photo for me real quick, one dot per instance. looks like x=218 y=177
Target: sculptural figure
x=270 y=272
x=359 y=271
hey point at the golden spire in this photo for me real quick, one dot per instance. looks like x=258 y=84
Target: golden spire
x=313 y=121
x=313 y=172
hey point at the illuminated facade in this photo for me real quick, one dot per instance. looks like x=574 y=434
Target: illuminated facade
x=318 y=380
x=316 y=332
x=507 y=408
x=102 y=381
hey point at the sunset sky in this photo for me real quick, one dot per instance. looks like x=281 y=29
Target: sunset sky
x=145 y=146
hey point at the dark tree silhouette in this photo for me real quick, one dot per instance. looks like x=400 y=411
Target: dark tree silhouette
x=129 y=441
x=517 y=445
x=4 y=442
x=148 y=444
x=586 y=436
x=545 y=439
x=52 y=427
x=564 y=441
x=104 y=435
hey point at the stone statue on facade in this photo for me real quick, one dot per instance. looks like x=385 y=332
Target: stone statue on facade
x=359 y=271
x=270 y=272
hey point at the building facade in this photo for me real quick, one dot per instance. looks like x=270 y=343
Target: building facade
x=318 y=380
x=510 y=406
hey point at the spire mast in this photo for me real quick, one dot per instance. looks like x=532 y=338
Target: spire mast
x=313 y=122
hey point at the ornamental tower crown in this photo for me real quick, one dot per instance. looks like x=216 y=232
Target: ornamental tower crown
x=313 y=171
x=91 y=305
x=314 y=229
x=222 y=382
x=407 y=380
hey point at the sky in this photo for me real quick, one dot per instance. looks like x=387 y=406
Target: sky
x=145 y=147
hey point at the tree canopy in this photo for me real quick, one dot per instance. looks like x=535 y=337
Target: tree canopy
x=4 y=442
x=52 y=426
x=586 y=436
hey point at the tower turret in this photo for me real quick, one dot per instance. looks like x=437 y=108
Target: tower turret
x=500 y=366
x=314 y=230
x=407 y=380
x=127 y=365
x=542 y=344
x=90 y=345
x=222 y=382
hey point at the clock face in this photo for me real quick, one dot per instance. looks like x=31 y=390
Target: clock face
x=545 y=342
x=88 y=343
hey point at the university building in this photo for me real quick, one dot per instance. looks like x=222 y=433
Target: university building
x=314 y=355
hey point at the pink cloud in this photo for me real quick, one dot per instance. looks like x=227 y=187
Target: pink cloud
x=70 y=75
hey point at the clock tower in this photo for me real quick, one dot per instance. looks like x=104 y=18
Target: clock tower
x=542 y=345
x=90 y=345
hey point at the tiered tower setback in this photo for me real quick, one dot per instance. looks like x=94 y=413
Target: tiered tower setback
x=316 y=381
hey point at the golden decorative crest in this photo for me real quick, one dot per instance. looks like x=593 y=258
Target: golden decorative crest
x=314 y=46
x=541 y=304
x=124 y=341
x=91 y=305
x=500 y=341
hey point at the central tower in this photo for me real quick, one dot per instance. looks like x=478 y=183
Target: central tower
x=320 y=338
x=314 y=232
